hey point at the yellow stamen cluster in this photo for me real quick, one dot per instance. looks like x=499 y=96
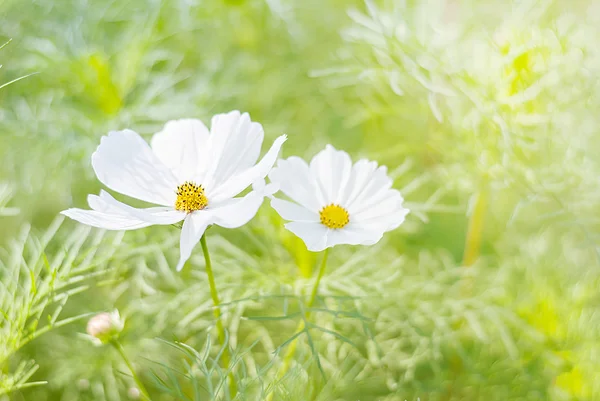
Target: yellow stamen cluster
x=334 y=216
x=190 y=197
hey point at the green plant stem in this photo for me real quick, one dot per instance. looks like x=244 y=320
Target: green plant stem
x=313 y=296
x=315 y=289
x=475 y=230
x=137 y=380
x=217 y=313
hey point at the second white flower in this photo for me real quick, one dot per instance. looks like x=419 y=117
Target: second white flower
x=336 y=202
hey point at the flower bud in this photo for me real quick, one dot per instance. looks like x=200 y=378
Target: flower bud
x=105 y=326
x=134 y=393
x=83 y=384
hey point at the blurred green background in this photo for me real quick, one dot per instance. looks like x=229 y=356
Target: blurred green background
x=486 y=113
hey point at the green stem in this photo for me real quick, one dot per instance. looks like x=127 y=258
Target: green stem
x=287 y=361
x=137 y=380
x=217 y=313
x=475 y=230
x=315 y=289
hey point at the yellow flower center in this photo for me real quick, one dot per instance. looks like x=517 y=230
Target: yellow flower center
x=334 y=216
x=190 y=197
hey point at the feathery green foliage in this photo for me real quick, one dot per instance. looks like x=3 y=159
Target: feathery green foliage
x=484 y=112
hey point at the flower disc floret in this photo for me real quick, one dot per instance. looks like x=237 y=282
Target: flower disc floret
x=190 y=197
x=334 y=216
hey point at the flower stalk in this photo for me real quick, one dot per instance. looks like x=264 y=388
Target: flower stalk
x=117 y=345
x=315 y=289
x=217 y=314
x=475 y=229
x=289 y=356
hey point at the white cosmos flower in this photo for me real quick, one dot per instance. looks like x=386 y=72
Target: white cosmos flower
x=336 y=202
x=193 y=174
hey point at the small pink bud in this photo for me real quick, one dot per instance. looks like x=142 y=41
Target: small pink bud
x=105 y=326
x=134 y=393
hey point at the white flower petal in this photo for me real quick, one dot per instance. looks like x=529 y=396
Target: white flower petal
x=368 y=184
x=332 y=170
x=110 y=214
x=386 y=213
x=125 y=163
x=267 y=189
x=182 y=146
x=314 y=235
x=107 y=221
x=242 y=180
x=194 y=226
x=102 y=203
x=293 y=212
x=353 y=235
x=236 y=212
x=296 y=181
x=154 y=215
x=362 y=171
x=235 y=143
